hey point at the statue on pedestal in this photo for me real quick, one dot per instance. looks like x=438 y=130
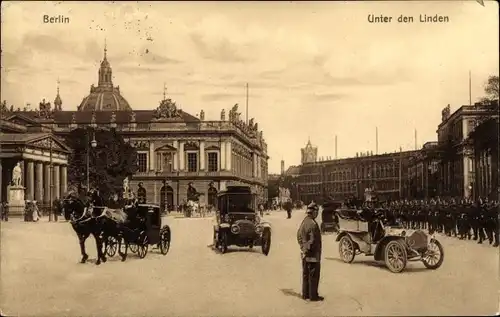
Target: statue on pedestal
x=17 y=175
x=202 y=115
x=223 y=115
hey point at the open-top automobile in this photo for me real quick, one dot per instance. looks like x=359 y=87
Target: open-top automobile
x=238 y=223
x=371 y=233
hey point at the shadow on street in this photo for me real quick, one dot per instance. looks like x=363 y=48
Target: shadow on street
x=290 y=292
x=381 y=265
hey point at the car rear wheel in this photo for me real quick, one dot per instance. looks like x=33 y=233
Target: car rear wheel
x=266 y=241
x=347 y=250
x=395 y=256
x=434 y=256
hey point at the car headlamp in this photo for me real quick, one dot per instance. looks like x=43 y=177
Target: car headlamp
x=235 y=229
x=226 y=218
x=259 y=229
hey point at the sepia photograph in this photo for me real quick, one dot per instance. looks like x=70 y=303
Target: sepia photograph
x=249 y=158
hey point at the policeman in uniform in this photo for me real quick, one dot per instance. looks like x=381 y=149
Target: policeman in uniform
x=309 y=239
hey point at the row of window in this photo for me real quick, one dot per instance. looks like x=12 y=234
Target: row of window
x=165 y=162
x=241 y=165
x=347 y=187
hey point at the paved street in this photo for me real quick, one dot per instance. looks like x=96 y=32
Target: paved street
x=40 y=275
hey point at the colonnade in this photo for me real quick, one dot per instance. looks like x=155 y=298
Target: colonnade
x=40 y=178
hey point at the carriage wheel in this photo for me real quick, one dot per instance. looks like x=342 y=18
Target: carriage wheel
x=395 y=256
x=266 y=241
x=133 y=247
x=165 y=238
x=347 y=251
x=142 y=247
x=112 y=246
x=434 y=256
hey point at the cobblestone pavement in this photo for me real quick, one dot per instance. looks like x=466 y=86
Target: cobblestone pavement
x=40 y=275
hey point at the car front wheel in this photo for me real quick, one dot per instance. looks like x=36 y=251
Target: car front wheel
x=266 y=241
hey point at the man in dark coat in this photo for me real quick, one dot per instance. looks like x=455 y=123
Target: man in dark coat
x=97 y=199
x=141 y=194
x=309 y=239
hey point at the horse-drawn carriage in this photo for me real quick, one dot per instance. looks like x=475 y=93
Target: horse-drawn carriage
x=138 y=229
x=367 y=232
x=237 y=222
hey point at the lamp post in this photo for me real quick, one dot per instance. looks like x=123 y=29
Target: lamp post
x=51 y=183
x=92 y=144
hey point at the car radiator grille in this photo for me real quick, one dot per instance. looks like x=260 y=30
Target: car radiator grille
x=246 y=227
x=418 y=240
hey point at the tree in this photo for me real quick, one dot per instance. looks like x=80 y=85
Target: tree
x=491 y=89
x=111 y=161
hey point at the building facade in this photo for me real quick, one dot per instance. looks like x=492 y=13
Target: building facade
x=43 y=159
x=458 y=164
x=172 y=145
x=423 y=172
x=386 y=174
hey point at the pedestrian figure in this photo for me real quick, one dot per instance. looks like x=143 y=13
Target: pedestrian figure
x=309 y=239
x=288 y=207
x=141 y=194
x=36 y=212
x=5 y=211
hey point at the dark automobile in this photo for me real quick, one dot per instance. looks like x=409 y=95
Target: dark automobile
x=329 y=217
x=237 y=221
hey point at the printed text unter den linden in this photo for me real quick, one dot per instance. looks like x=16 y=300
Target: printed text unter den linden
x=422 y=18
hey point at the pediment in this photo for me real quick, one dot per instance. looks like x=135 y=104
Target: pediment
x=191 y=146
x=45 y=143
x=21 y=119
x=212 y=148
x=166 y=148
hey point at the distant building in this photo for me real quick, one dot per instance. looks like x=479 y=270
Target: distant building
x=293 y=171
x=309 y=154
x=385 y=174
x=282 y=167
x=423 y=172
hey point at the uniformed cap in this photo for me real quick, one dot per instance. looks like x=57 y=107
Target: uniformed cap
x=312 y=207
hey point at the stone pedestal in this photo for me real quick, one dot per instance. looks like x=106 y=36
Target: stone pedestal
x=15 y=199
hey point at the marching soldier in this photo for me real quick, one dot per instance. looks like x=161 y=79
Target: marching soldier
x=309 y=239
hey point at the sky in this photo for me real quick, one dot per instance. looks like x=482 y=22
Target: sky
x=314 y=69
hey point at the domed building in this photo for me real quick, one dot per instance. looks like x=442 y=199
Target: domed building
x=174 y=148
x=104 y=97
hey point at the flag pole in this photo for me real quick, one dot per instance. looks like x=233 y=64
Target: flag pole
x=247 y=106
x=470 y=89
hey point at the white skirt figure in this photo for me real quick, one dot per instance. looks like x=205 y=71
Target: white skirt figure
x=35 y=213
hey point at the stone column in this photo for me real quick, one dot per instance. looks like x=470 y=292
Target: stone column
x=176 y=156
x=228 y=155
x=30 y=180
x=222 y=156
x=56 y=182
x=64 y=180
x=202 y=155
x=152 y=156
x=46 y=184
x=39 y=181
x=181 y=155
